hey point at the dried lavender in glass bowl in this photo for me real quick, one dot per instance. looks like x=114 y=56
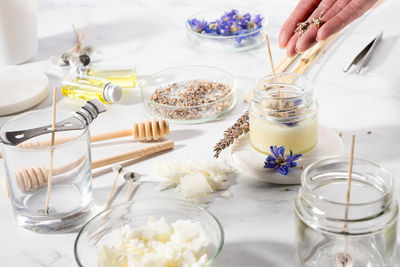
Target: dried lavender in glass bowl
x=189 y=94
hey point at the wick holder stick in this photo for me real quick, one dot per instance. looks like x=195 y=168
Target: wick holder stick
x=346 y=214
x=272 y=66
x=49 y=182
x=344 y=259
x=112 y=189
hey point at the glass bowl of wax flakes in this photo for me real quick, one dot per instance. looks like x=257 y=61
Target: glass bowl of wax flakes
x=189 y=94
x=150 y=232
x=226 y=30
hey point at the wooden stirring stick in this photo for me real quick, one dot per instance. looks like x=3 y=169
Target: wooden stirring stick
x=53 y=135
x=272 y=66
x=139 y=153
x=345 y=260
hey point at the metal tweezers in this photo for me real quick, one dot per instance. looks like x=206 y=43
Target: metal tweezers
x=364 y=56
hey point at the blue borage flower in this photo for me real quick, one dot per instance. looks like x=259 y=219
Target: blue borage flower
x=198 y=25
x=279 y=161
x=230 y=24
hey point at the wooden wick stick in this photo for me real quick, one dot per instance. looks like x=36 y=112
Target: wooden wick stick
x=140 y=153
x=306 y=62
x=272 y=66
x=346 y=213
x=112 y=189
x=128 y=191
x=282 y=66
x=6 y=191
x=49 y=181
x=344 y=259
x=80 y=36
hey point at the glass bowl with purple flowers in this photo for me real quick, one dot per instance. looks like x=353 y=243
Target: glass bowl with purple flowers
x=224 y=30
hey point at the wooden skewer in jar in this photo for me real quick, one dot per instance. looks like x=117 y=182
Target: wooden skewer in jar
x=344 y=259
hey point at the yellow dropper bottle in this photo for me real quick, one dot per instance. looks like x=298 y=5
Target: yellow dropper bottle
x=88 y=88
x=123 y=75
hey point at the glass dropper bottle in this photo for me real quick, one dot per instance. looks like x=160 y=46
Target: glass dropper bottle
x=87 y=88
x=123 y=75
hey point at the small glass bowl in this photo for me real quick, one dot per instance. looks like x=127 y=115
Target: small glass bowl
x=225 y=44
x=188 y=114
x=135 y=213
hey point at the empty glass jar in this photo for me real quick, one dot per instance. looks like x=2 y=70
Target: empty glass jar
x=286 y=117
x=27 y=170
x=325 y=236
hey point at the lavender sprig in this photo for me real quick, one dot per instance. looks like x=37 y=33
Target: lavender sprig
x=240 y=127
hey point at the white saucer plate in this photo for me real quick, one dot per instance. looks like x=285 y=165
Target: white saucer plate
x=250 y=163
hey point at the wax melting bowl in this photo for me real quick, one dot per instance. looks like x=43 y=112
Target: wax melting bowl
x=188 y=114
x=136 y=213
x=225 y=44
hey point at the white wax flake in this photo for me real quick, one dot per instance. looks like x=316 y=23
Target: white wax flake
x=193 y=185
x=226 y=194
x=159 y=244
x=194 y=180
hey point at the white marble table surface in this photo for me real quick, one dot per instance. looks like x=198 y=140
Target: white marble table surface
x=259 y=219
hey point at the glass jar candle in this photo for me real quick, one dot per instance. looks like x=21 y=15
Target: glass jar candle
x=325 y=236
x=284 y=116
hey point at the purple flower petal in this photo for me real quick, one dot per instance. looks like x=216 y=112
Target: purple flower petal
x=278 y=160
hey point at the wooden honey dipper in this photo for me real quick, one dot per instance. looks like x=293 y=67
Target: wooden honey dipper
x=142 y=131
x=34 y=177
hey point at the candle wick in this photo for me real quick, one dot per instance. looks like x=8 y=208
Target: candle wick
x=50 y=173
x=344 y=259
x=272 y=66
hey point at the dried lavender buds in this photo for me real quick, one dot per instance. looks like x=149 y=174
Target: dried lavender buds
x=193 y=99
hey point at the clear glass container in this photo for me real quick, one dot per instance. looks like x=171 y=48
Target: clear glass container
x=221 y=43
x=27 y=171
x=286 y=118
x=123 y=75
x=325 y=236
x=96 y=232
x=219 y=104
x=88 y=87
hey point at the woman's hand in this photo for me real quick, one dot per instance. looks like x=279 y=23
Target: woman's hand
x=336 y=15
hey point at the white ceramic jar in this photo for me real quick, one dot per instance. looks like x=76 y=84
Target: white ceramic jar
x=18 y=34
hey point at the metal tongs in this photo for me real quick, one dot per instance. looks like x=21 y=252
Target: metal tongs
x=364 y=56
x=79 y=121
